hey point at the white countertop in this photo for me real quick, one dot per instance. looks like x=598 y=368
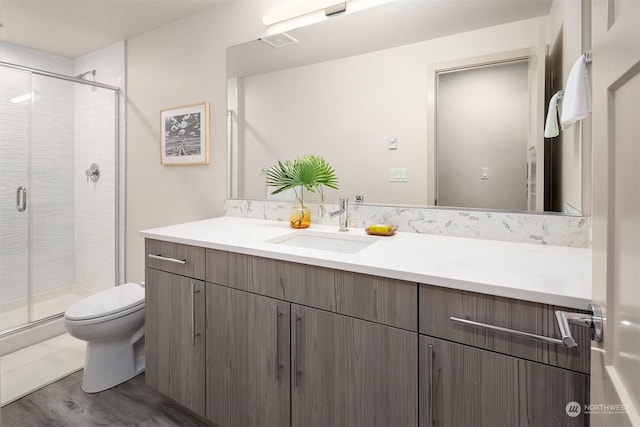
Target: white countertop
x=548 y=274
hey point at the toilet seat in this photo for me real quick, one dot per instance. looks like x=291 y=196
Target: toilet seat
x=106 y=318
x=107 y=304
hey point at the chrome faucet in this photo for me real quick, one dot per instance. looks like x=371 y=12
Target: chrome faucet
x=343 y=212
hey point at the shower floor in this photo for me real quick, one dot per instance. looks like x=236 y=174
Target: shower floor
x=34 y=367
x=14 y=313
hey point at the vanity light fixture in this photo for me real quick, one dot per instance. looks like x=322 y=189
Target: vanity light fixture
x=301 y=9
x=304 y=14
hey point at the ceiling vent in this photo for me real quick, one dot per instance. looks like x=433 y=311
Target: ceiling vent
x=279 y=40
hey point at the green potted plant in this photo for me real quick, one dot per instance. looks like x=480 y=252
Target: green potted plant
x=307 y=172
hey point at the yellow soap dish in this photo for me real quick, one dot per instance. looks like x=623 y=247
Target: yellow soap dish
x=381 y=230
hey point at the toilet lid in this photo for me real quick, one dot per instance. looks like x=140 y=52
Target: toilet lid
x=106 y=302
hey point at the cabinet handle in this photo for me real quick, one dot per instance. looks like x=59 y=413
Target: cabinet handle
x=592 y=321
x=431 y=421
x=21 y=199
x=294 y=337
x=278 y=365
x=194 y=291
x=164 y=258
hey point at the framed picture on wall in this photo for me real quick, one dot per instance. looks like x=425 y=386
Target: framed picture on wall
x=184 y=134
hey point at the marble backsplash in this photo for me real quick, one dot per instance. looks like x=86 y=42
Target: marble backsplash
x=559 y=230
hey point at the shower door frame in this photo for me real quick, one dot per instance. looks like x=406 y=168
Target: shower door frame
x=118 y=194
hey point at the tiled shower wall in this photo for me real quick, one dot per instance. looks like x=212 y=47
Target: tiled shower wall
x=95 y=203
x=72 y=222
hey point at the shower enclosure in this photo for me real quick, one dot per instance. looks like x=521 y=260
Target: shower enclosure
x=59 y=222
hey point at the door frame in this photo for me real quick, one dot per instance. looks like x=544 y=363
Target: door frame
x=535 y=56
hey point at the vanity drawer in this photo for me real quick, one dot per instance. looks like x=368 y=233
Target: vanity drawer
x=228 y=269
x=175 y=258
x=377 y=299
x=438 y=304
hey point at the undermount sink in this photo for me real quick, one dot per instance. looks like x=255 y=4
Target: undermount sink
x=348 y=244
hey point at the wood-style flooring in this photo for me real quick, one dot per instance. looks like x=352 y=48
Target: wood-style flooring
x=63 y=403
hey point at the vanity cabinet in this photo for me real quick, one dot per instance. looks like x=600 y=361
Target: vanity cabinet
x=474 y=376
x=438 y=305
x=465 y=386
x=351 y=372
x=247 y=340
x=248 y=362
x=175 y=322
x=377 y=299
x=174 y=337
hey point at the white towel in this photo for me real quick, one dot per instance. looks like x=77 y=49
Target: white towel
x=576 y=104
x=551 y=125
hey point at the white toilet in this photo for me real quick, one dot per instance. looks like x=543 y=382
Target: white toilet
x=112 y=323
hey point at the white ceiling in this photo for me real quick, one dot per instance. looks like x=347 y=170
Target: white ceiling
x=72 y=28
x=392 y=24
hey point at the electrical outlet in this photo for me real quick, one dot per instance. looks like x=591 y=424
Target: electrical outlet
x=398 y=175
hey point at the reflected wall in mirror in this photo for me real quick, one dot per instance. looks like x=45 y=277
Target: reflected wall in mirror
x=482 y=116
x=352 y=84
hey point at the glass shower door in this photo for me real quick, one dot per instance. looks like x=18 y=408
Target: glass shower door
x=15 y=110
x=58 y=194
x=52 y=196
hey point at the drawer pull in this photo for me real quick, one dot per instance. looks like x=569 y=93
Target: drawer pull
x=164 y=258
x=592 y=321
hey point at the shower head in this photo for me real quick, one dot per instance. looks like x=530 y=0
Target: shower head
x=83 y=75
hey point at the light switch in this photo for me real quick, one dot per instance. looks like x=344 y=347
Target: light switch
x=398 y=175
x=485 y=172
x=393 y=143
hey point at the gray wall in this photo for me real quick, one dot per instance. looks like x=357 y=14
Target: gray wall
x=482 y=117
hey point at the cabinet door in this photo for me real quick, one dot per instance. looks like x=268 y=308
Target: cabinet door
x=174 y=337
x=248 y=381
x=351 y=372
x=466 y=386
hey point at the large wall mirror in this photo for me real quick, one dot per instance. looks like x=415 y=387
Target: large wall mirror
x=415 y=103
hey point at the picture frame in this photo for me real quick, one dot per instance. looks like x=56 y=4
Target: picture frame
x=184 y=135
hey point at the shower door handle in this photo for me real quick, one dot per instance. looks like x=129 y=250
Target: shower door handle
x=21 y=199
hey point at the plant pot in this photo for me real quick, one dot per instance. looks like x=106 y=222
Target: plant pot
x=300 y=217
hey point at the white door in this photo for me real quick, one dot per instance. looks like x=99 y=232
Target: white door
x=615 y=365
